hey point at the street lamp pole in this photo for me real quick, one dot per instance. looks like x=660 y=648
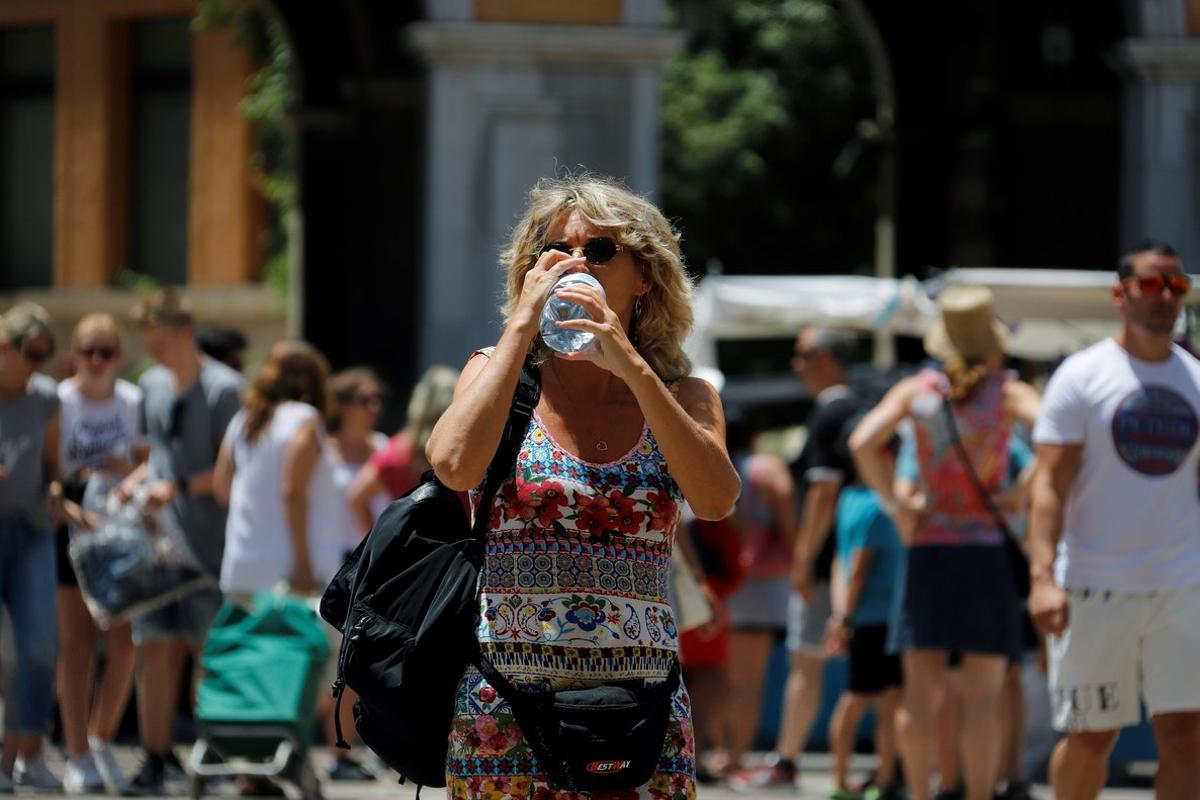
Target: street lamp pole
x=885 y=116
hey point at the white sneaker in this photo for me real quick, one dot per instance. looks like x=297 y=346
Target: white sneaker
x=6 y=784
x=109 y=771
x=82 y=777
x=34 y=774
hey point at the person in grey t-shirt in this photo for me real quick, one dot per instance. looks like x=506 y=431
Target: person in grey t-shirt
x=28 y=465
x=188 y=402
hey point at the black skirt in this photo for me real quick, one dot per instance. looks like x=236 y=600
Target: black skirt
x=958 y=597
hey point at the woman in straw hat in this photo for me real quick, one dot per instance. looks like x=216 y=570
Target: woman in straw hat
x=959 y=593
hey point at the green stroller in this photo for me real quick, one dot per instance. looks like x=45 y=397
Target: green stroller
x=255 y=711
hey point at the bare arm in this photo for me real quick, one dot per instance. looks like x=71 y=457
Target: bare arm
x=50 y=447
x=362 y=490
x=222 y=479
x=816 y=519
x=466 y=437
x=873 y=432
x=860 y=563
x=1057 y=468
x=691 y=435
x=299 y=463
x=778 y=491
x=54 y=494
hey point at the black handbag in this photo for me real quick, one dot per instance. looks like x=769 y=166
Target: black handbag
x=600 y=739
x=406 y=602
x=1018 y=562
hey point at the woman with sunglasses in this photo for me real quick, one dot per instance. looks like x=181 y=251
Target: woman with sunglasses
x=394 y=469
x=352 y=440
x=100 y=436
x=29 y=428
x=960 y=591
x=576 y=556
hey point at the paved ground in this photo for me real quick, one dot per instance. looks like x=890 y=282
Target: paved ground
x=814 y=785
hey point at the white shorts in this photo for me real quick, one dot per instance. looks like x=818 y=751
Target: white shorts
x=1121 y=648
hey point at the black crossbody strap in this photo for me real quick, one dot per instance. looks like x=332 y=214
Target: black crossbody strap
x=525 y=399
x=981 y=491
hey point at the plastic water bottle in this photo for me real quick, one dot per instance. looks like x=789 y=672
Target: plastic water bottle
x=565 y=340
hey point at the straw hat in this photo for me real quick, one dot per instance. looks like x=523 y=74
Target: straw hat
x=968 y=327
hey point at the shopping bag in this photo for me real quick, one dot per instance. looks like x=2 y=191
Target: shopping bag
x=135 y=561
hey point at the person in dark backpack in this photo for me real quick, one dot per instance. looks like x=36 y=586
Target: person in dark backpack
x=572 y=592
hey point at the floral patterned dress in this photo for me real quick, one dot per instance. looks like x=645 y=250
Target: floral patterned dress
x=573 y=593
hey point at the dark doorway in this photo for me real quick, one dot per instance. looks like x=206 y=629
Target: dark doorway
x=360 y=123
x=1008 y=132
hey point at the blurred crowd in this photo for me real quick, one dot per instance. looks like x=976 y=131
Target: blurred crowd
x=272 y=482
x=919 y=536
x=896 y=538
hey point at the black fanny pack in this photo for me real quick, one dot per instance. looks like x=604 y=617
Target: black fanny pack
x=604 y=738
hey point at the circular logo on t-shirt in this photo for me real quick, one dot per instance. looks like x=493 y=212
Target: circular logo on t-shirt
x=1154 y=429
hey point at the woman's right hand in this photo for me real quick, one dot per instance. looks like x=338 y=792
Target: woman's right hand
x=540 y=280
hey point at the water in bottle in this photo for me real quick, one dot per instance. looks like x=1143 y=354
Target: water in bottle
x=565 y=340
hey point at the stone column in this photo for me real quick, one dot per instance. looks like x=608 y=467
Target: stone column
x=508 y=104
x=1161 y=160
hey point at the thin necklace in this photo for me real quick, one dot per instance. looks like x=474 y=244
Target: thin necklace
x=600 y=444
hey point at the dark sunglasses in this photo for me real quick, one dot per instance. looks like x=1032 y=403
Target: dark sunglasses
x=1178 y=283
x=102 y=353
x=598 y=250
x=367 y=400
x=36 y=356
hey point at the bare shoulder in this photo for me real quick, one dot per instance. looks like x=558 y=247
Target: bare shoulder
x=697 y=391
x=471 y=370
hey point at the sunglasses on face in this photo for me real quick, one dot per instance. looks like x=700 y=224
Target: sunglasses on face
x=98 y=353
x=1177 y=282
x=598 y=250
x=371 y=401
x=35 y=356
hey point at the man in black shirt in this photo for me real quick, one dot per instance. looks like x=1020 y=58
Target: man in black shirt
x=822 y=357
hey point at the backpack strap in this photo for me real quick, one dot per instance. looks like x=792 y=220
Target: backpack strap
x=525 y=399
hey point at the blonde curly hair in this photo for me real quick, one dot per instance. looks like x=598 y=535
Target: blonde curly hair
x=638 y=226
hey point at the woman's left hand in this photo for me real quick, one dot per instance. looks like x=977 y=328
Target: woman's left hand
x=612 y=350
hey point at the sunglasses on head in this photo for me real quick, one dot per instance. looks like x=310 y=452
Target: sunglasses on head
x=597 y=250
x=1177 y=282
x=102 y=353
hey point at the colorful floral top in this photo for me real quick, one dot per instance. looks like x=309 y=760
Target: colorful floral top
x=957 y=516
x=576 y=566
x=573 y=593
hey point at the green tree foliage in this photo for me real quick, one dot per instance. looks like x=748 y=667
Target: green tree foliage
x=756 y=109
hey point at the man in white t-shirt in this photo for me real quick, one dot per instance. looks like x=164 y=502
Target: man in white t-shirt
x=1115 y=537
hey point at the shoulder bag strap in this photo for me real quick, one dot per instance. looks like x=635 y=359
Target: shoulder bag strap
x=981 y=491
x=525 y=399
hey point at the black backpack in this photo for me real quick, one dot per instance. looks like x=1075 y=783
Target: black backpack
x=406 y=604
